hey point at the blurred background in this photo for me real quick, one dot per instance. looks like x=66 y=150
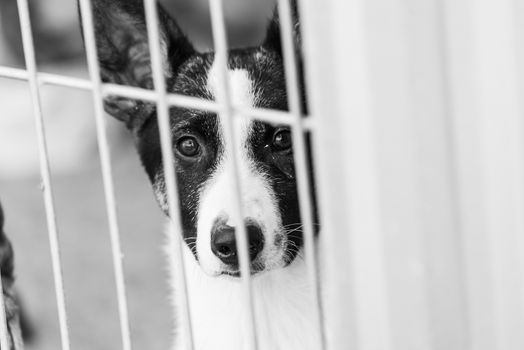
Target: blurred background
x=84 y=236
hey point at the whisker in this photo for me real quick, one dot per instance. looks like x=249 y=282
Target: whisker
x=294 y=230
x=293 y=224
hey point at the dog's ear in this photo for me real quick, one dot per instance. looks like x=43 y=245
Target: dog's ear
x=123 y=53
x=272 y=41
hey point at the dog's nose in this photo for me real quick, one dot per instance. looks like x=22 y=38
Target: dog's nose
x=223 y=243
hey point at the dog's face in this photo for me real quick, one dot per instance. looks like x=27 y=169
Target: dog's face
x=203 y=164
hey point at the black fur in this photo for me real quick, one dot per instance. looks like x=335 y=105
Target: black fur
x=123 y=52
x=10 y=299
x=273 y=41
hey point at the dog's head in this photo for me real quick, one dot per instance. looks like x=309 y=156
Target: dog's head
x=267 y=174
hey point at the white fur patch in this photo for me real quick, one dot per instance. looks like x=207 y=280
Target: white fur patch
x=284 y=309
x=259 y=205
x=159 y=187
x=257 y=196
x=240 y=84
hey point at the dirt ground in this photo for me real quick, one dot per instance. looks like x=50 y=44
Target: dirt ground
x=86 y=254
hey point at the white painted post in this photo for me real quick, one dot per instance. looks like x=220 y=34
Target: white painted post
x=353 y=267
x=488 y=133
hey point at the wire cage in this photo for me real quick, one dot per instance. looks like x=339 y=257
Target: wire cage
x=417 y=137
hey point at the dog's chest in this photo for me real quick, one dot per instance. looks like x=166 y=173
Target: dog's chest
x=283 y=308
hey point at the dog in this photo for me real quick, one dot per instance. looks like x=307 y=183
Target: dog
x=283 y=304
x=11 y=301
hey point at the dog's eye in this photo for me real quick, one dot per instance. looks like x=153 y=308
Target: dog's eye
x=188 y=146
x=282 y=140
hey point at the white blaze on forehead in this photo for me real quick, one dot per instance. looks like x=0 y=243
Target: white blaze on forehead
x=216 y=196
x=240 y=84
x=242 y=94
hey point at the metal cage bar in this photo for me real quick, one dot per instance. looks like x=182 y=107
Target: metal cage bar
x=29 y=53
x=261 y=114
x=107 y=171
x=169 y=166
x=300 y=155
x=229 y=118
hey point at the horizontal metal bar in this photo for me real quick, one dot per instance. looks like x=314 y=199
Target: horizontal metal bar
x=260 y=114
x=13 y=73
x=151 y=96
x=46 y=78
x=65 y=81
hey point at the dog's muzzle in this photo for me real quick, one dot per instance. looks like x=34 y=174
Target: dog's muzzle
x=224 y=245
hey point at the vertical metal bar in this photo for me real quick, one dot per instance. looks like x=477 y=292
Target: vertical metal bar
x=107 y=172
x=340 y=323
x=169 y=166
x=30 y=61
x=4 y=332
x=13 y=73
x=300 y=156
x=227 y=112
